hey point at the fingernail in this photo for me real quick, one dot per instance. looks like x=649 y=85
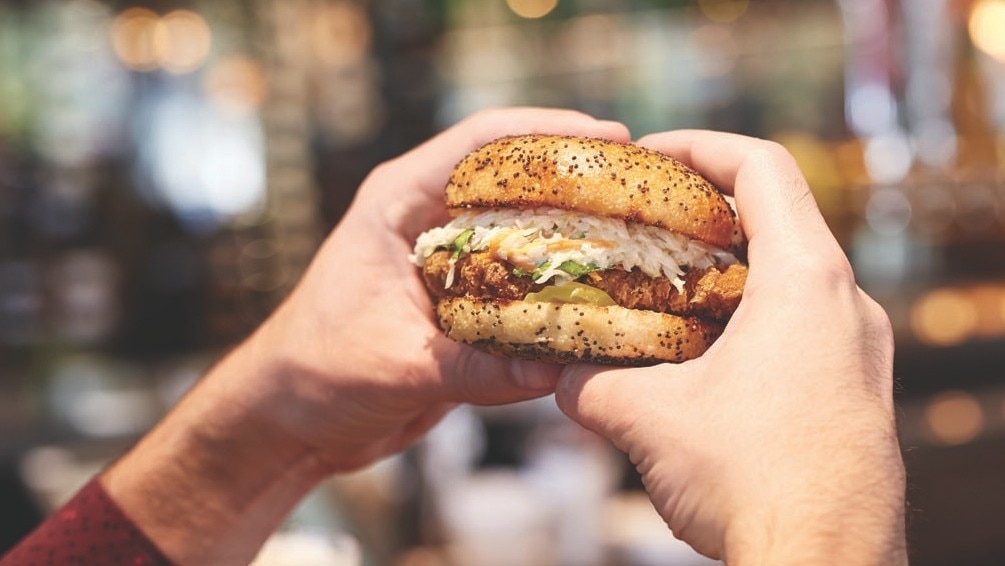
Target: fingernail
x=535 y=375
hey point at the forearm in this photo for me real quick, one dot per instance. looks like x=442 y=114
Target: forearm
x=214 y=479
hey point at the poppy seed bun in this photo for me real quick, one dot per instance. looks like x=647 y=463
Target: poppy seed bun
x=564 y=333
x=568 y=249
x=594 y=176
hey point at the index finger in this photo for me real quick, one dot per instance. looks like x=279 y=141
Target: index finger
x=776 y=208
x=413 y=191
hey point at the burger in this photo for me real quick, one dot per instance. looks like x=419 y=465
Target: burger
x=572 y=249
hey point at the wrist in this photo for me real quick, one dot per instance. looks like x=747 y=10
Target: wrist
x=816 y=544
x=864 y=527
x=215 y=477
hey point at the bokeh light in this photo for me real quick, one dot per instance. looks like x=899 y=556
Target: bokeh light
x=989 y=302
x=341 y=33
x=133 y=33
x=944 y=317
x=954 y=417
x=987 y=27
x=888 y=211
x=723 y=11
x=237 y=83
x=183 y=41
x=178 y=42
x=888 y=157
x=532 y=8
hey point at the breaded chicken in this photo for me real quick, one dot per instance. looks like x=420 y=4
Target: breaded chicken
x=708 y=293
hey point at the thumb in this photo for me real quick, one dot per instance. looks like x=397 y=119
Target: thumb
x=613 y=402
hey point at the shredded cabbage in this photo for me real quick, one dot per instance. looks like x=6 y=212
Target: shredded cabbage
x=540 y=240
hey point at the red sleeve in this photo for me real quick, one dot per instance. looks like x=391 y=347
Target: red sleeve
x=89 y=529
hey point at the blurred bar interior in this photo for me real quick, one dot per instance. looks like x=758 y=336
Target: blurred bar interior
x=167 y=168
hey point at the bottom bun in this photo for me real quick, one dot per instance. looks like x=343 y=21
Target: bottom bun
x=565 y=333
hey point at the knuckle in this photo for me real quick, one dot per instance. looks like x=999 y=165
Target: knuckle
x=380 y=181
x=830 y=270
x=383 y=171
x=804 y=200
x=774 y=161
x=836 y=270
x=877 y=320
x=878 y=344
x=815 y=282
x=772 y=154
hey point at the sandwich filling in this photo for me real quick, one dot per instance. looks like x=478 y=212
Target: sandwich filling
x=550 y=245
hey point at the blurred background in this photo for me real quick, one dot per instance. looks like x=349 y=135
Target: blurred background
x=168 y=167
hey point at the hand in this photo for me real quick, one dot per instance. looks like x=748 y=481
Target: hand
x=368 y=368
x=349 y=369
x=778 y=445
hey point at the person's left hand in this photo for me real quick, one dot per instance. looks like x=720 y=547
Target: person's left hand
x=364 y=363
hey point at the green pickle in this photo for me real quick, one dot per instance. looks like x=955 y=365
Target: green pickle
x=460 y=241
x=573 y=293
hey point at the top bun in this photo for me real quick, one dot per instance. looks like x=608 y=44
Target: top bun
x=594 y=176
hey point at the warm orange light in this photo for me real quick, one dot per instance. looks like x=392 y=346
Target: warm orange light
x=532 y=8
x=1000 y=310
x=178 y=42
x=182 y=42
x=944 y=317
x=237 y=83
x=341 y=33
x=723 y=11
x=987 y=27
x=133 y=33
x=989 y=300
x=954 y=417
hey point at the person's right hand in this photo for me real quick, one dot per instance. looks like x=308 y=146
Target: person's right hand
x=351 y=368
x=778 y=446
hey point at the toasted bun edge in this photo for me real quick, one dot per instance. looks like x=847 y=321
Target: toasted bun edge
x=566 y=333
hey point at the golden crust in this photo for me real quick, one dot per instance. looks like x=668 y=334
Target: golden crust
x=594 y=176
x=566 y=333
x=708 y=293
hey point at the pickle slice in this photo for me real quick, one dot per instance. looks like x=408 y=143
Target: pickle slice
x=572 y=292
